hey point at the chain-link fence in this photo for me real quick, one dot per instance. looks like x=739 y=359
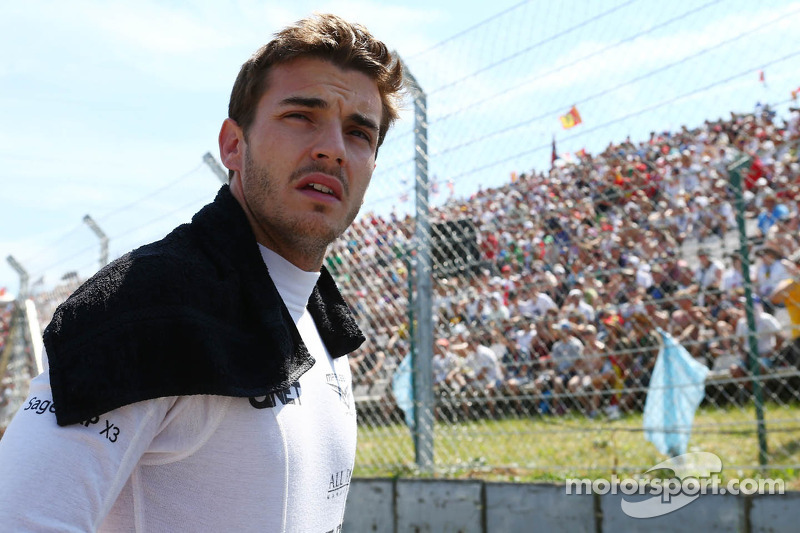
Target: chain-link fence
x=549 y=295
x=17 y=364
x=559 y=256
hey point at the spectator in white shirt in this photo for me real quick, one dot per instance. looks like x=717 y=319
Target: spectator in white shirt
x=768 y=333
x=769 y=273
x=575 y=302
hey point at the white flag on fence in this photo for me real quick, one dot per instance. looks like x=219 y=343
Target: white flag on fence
x=676 y=389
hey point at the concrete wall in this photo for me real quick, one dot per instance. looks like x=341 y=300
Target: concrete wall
x=430 y=505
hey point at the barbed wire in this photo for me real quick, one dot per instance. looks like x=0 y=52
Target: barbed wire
x=128 y=231
x=470 y=29
x=102 y=218
x=583 y=100
x=632 y=114
x=532 y=47
x=565 y=66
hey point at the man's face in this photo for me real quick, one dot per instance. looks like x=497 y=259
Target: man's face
x=308 y=157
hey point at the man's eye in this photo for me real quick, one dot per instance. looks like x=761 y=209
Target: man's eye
x=362 y=134
x=297 y=115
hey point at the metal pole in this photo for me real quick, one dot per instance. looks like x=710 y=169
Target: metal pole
x=23 y=277
x=102 y=237
x=412 y=336
x=735 y=171
x=423 y=362
x=215 y=167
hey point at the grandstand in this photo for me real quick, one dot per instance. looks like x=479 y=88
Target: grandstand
x=17 y=360
x=606 y=245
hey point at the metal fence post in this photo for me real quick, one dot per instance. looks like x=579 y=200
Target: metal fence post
x=102 y=237
x=423 y=303
x=215 y=167
x=23 y=277
x=735 y=170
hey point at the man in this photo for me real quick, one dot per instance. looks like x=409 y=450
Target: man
x=587 y=380
x=575 y=302
x=663 y=287
x=787 y=293
x=565 y=354
x=768 y=335
x=494 y=311
x=198 y=383
x=482 y=366
x=732 y=277
x=770 y=272
x=446 y=368
x=770 y=213
x=484 y=376
x=537 y=301
x=707 y=275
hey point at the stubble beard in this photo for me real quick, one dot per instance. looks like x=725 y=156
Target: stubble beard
x=301 y=233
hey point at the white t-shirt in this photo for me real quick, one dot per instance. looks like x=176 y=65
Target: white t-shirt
x=767 y=328
x=731 y=279
x=543 y=304
x=769 y=276
x=192 y=463
x=707 y=276
x=483 y=359
x=443 y=365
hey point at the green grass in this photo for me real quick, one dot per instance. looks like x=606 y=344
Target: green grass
x=555 y=448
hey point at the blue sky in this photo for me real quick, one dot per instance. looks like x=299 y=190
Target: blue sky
x=107 y=108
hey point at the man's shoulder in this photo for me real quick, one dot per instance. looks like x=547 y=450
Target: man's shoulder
x=485 y=351
x=770 y=320
x=575 y=343
x=153 y=272
x=545 y=298
x=136 y=288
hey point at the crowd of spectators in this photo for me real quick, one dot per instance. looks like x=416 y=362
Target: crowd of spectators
x=7 y=384
x=581 y=264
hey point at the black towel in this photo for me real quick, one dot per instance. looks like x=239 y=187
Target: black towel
x=193 y=313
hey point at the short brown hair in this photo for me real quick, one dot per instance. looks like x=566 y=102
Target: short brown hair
x=328 y=37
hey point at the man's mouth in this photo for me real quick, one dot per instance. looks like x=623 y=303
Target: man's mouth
x=320 y=188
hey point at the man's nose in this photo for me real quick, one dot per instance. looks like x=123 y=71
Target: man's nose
x=329 y=144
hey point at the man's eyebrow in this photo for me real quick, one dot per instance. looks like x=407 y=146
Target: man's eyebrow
x=302 y=101
x=318 y=103
x=364 y=121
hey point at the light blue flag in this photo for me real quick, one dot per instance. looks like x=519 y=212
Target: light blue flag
x=403 y=389
x=677 y=387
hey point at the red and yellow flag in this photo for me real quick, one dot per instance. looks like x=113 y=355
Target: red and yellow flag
x=571 y=119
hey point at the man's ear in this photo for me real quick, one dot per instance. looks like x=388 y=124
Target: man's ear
x=231 y=145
